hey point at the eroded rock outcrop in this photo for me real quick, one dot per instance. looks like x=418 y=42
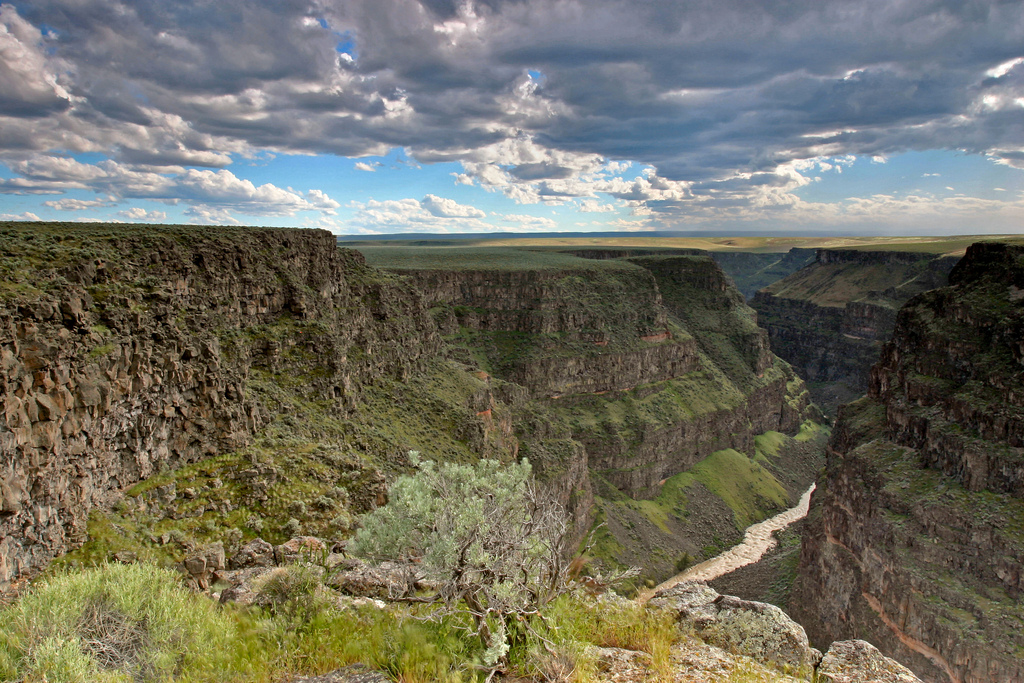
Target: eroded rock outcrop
x=642 y=367
x=915 y=541
x=662 y=325
x=830 y=319
x=127 y=352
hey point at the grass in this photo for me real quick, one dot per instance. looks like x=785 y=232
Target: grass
x=884 y=284
x=136 y=623
x=308 y=463
x=115 y=623
x=750 y=490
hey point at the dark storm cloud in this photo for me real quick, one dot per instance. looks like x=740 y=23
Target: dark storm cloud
x=704 y=91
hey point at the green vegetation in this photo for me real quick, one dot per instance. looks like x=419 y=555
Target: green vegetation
x=658 y=532
x=136 y=623
x=494 y=546
x=307 y=455
x=750 y=490
x=886 y=284
x=117 y=623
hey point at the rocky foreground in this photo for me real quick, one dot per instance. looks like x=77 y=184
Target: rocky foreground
x=727 y=638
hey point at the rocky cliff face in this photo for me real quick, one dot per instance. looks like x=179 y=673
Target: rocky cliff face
x=126 y=353
x=916 y=539
x=830 y=319
x=650 y=363
x=593 y=328
x=128 y=358
x=752 y=271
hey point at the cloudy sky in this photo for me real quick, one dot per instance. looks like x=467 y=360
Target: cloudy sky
x=370 y=116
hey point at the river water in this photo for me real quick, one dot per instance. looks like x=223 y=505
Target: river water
x=757 y=540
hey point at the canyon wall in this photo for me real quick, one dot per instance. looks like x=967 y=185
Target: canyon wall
x=652 y=363
x=666 y=325
x=219 y=384
x=124 y=353
x=916 y=535
x=830 y=319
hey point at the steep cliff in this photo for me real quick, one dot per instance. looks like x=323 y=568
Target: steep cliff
x=172 y=386
x=653 y=364
x=830 y=319
x=916 y=539
x=124 y=353
x=752 y=271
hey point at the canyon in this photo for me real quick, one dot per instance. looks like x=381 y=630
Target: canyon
x=914 y=539
x=174 y=387
x=830 y=319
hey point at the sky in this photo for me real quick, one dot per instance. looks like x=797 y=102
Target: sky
x=455 y=116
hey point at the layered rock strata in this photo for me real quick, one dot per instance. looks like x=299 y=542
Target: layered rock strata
x=662 y=325
x=915 y=541
x=126 y=353
x=830 y=319
x=559 y=331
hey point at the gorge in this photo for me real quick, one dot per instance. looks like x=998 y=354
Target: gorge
x=171 y=388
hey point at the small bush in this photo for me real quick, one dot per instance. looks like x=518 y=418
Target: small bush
x=113 y=623
x=295 y=593
x=291 y=528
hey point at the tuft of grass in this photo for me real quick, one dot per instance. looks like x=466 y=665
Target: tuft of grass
x=113 y=623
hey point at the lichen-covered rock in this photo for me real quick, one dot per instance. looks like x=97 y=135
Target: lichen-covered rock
x=755 y=629
x=386 y=580
x=240 y=588
x=255 y=553
x=356 y=673
x=201 y=564
x=618 y=664
x=856 y=661
x=299 y=549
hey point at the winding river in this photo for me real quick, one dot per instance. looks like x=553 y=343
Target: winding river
x=757 y=540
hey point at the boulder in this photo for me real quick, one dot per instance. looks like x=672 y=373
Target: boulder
x=201 y=564
x=356 y=673
x=854 y=661
x=761 y=631
x=299 y=549
x=387 y=580
x=255 y=553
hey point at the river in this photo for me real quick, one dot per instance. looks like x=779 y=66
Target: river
x=757 y=540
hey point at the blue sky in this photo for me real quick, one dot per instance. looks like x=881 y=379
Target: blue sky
x=391 y=116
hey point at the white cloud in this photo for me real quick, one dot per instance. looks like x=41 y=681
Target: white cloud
x=78 y=204
x=161 y=88
x=1004 y=68
x=28 y=78
x=211 y=215
x=527 y=223
x=137 y=213
x=449 y=208
x=196 y=187
x=408 y=215
x=594 y=206
x=25 y=216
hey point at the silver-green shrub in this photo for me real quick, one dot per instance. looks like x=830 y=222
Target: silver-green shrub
x=487 y=538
